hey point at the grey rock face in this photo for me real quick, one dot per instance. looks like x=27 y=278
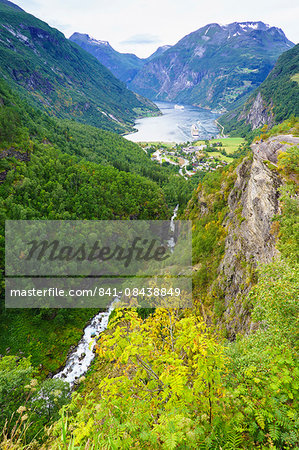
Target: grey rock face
x=259 y=114
x=270 y=149
x=253 y=202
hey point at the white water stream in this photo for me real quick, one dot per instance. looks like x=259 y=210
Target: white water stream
x=79 y=360
x=81 y=357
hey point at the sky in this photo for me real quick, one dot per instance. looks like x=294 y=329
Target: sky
x=140 y=26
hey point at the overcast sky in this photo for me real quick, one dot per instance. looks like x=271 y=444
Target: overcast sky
x=140 y=26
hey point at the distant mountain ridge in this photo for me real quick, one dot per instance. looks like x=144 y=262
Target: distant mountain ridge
x=214 y=66
x=158 y=52
x=124 y=66
x=59 y=77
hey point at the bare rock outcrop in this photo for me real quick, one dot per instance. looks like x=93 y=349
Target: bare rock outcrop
x=259 y=114
x=270 y=149
x=253 y=202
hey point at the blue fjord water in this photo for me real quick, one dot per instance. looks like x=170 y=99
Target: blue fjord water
x=175 y=125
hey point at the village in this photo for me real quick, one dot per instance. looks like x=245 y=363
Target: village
x=189 y=158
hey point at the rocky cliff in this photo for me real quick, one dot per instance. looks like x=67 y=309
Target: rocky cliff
x=244 y=229
x=259 y=114
x=253 y=202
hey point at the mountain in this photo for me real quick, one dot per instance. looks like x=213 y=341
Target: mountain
x=60 y=77
x=158 y=52
x=12 y=5
x=124 y=66
x=275 y=100
x=214 y=66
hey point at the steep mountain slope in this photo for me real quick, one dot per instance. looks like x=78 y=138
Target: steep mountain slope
x=275 y=100
x=213 y=66
x=60 y=77
x=12 y=5
x=158 y=52
x=234 y=216
x=124 y=66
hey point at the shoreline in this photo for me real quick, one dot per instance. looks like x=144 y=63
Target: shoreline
x=173 y=126
x=222 y=135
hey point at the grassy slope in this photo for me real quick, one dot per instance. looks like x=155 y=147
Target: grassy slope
x=230 y=145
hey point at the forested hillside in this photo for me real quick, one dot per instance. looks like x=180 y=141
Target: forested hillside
x=169 y=380
x=21 y=125
x=58 y=76
x=220 y=375
x=60 y=169
x=49 y=169
x=149 y=388
x=276 y=99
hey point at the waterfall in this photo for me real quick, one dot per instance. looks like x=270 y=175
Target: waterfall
x=79 y=360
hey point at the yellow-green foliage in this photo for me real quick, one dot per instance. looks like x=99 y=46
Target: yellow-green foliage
x=288 y=161
x=295 y=78
x=290 y=126
x=166 y=384
x=173 y=385
x=288 y=222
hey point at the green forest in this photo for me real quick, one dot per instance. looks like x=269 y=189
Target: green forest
x=162 y=378
x=55 y=169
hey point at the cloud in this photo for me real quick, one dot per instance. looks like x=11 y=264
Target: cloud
x=142 y=39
